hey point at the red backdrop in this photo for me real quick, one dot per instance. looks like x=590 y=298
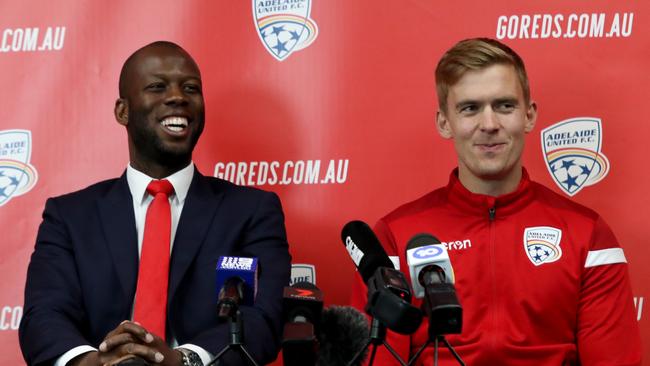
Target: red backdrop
x=345 y=84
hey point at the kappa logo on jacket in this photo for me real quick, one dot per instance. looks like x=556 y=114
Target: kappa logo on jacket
x=542 y=244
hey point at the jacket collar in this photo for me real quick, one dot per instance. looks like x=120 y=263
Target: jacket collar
x=462 y=199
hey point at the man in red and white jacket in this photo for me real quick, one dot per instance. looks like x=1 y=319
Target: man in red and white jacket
x=542 y=280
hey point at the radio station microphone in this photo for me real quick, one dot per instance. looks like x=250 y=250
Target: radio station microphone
x=343 y=333
x=432 y=277
x=303 y=306
x=389 y=294
x=364 y=249
x=236 y=284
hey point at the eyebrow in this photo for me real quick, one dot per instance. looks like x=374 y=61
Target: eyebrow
x=464 y=103
x=511 y=100
x=189 y=77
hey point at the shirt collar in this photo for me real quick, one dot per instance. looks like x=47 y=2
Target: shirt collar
x=138 y=182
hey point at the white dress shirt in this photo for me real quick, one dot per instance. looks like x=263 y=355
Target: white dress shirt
x=138 y=183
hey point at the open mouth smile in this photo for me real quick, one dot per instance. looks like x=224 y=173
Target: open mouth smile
x=174 y=123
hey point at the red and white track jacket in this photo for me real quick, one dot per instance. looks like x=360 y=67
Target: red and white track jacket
x=541 y=279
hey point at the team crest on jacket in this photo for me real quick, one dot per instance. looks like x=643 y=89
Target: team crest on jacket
x=542 y=244
x=284 y=26
x=17 y=175
x=572 y=150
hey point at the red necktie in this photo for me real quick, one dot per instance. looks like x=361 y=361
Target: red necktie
x=151 y=294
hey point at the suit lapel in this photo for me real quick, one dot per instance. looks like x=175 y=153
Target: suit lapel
x=198 y=213
x=118 y=221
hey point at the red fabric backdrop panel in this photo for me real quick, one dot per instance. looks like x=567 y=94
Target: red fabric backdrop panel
x=334 y=112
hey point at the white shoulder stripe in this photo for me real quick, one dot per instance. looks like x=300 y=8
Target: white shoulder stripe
x=605 y=256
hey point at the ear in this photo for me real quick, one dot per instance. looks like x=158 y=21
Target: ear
x=442 y=123
x=531 y=116
x=121 y=111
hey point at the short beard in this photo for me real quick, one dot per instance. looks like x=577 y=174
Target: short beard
x=150 y=147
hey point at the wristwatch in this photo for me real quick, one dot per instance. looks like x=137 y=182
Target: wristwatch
x=190 y=358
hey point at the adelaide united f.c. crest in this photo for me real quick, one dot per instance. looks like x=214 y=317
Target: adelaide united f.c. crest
x=284 y=26
x=17 y=175
x=542 y=244
x=572 y=151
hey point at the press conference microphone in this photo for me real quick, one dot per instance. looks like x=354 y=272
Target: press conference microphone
x=364 y=249
x=432 y=278
x=343 y=333
x=389 y=294
x=236 y=284
x=303 y=306
x=231 y=295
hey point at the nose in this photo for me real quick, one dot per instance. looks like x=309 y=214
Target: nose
x=489 y=120
x=175 y=95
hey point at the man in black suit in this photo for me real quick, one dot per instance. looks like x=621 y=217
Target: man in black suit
x=81 y=281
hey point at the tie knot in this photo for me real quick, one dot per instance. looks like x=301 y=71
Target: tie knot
x=160 y=186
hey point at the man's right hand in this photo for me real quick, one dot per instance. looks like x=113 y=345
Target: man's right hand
x=126 y=341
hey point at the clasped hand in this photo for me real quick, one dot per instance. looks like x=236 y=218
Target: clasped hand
x=126 y=341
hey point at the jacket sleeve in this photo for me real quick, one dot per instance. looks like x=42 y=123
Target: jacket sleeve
x=54 y=311
x=608 y=332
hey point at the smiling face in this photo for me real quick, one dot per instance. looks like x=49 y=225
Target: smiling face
x=161 y=106
x=488 y=117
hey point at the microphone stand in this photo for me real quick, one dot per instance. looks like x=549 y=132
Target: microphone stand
x=377 y=337
x=435 y=341
x=236 y=336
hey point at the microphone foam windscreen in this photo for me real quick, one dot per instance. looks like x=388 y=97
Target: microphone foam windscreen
x=344 y=332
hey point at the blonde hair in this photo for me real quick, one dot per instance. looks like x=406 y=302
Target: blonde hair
x=476 y=54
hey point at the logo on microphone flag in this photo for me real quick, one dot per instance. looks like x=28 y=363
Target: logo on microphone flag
x=302 y=272
x=17 y=175
x=572 y=151
x=284 y=26
x=542 y=244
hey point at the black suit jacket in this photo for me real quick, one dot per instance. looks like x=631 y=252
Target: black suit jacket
x=82 y=276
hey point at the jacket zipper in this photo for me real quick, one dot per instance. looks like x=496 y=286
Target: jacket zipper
x=492 y=211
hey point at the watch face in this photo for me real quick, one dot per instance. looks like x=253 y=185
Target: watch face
x=191 y=358
x=195 y=360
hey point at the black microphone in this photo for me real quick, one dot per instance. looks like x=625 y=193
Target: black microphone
x=389 y=299
x=343 y=333
x=303 y=306
x=389 y=294
x=364 y=248
x=230 y=296
x=236 y=284
x=432 y=277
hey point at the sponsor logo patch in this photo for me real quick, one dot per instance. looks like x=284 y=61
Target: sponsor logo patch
x=572 y=151
x=542 y=244
x=284 y=26
x=303 y=273
x=17 y=175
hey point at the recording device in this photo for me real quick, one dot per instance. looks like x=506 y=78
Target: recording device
x=389 y=294
x=236 y=284
x=432 y=277
x=303 y=306
x=389 y=301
